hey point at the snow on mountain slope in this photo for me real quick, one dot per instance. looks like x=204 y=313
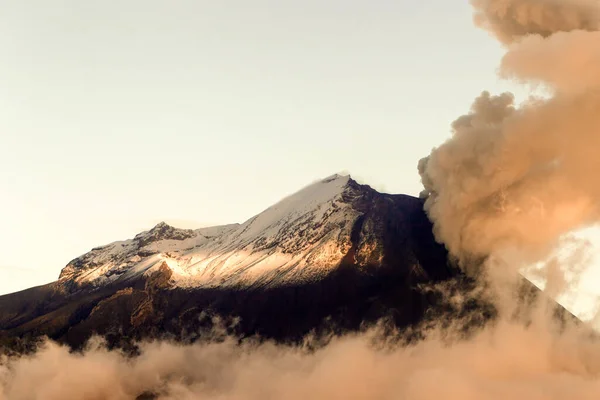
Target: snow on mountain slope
x=298 y=239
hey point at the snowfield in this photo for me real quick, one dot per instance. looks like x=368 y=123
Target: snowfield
x=296 y=240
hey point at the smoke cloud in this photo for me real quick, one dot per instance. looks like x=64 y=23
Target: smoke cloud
x=509 y=360
x=567 y=62
x=520 y=177
x=510 y=20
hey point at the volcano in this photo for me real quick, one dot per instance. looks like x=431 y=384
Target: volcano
x=334 y=257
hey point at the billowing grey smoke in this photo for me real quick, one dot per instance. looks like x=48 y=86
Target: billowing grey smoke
x=519 y=177
x=567 y=62
x=510 y=20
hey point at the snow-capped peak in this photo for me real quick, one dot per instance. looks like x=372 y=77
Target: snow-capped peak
x=303 y=235
x=311 y=199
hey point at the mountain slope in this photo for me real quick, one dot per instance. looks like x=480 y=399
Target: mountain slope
x=334 y=256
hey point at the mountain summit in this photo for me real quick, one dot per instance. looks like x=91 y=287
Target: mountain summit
x=302 y=238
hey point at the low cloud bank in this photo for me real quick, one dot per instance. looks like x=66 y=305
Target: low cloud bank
x=510 y=358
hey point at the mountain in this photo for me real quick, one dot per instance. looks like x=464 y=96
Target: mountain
x=331 y=258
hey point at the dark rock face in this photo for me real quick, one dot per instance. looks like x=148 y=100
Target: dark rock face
x=163 y=231
x=358 y=292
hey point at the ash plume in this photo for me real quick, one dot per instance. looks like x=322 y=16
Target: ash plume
x=519 y=177
x=510 y=20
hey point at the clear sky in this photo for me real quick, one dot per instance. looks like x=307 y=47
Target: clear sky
x=115 y=115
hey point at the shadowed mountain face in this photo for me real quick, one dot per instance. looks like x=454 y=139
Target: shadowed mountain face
x=331 y=258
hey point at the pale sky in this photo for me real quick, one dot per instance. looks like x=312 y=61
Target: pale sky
x=116 y=115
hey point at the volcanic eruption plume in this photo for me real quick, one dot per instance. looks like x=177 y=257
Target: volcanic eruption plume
x=521 y=176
